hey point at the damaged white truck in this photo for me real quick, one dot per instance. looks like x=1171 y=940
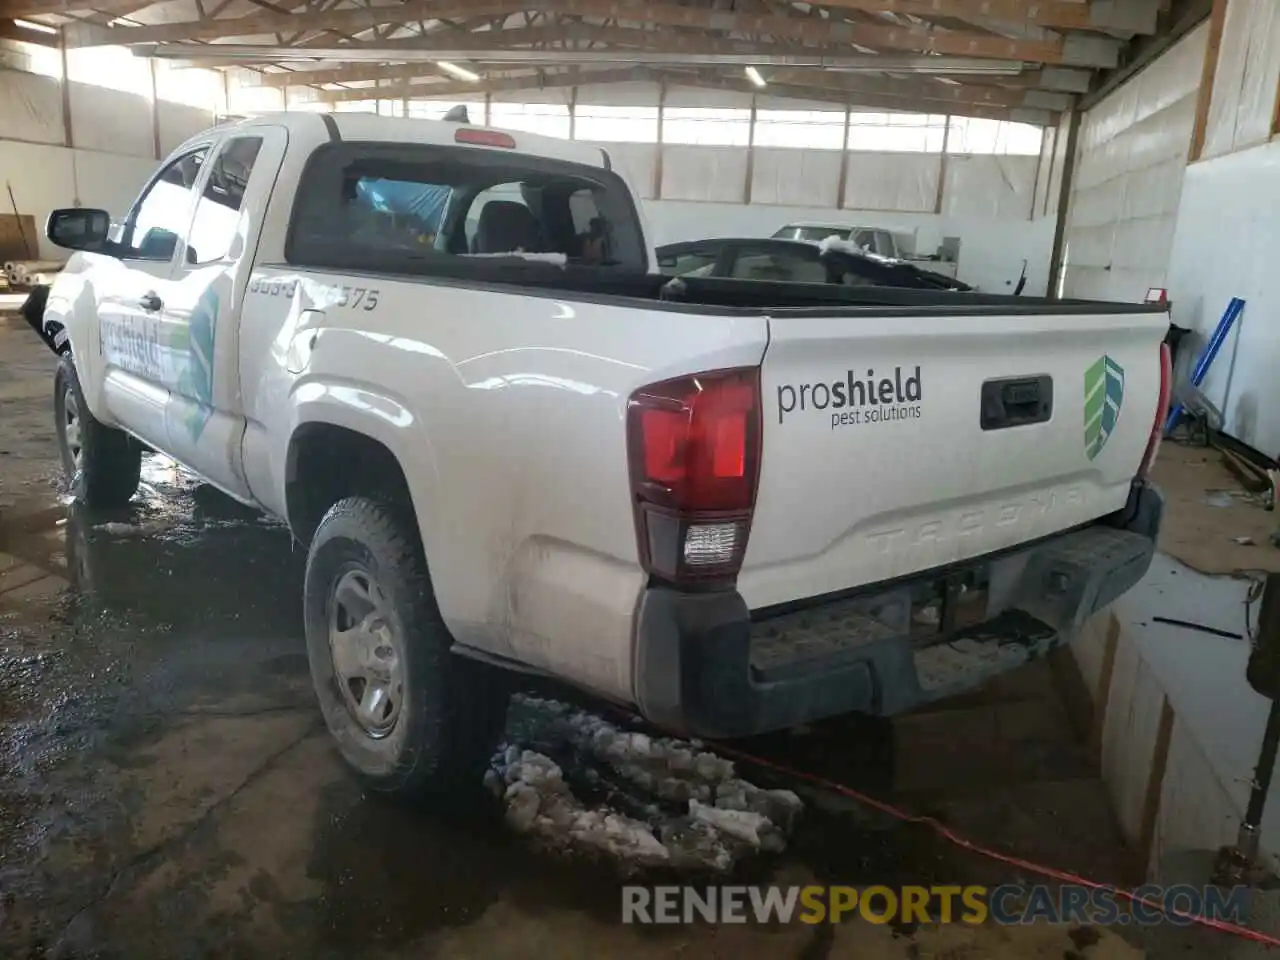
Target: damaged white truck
x=444 y=355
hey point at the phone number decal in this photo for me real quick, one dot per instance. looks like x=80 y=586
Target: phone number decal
x=350 y=298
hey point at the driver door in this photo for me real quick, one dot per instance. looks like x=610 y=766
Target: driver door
x=139 y=348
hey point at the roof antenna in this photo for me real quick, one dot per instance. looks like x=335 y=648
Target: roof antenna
x=457 y=114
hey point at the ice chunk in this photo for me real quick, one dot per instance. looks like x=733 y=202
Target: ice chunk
x=522 y=807
x=744 y=825
x=695 y=844
x=638 y=777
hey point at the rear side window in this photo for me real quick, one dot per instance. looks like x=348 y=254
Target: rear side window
x=698 y=263
x=779 y=267
x=162 y=213
x=217 y=218
x=820 y=233
x=407 y=208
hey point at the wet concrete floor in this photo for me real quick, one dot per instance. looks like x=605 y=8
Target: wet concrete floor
x=167 y=788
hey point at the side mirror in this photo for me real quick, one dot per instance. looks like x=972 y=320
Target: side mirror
x=78 y=228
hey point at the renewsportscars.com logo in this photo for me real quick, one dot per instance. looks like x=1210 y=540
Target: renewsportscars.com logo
x=1103 y=397
x=855 y=400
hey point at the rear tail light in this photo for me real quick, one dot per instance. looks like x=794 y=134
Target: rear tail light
x=1162 y=410
x=694 y=450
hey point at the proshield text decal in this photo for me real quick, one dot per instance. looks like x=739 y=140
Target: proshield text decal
x=856 y=399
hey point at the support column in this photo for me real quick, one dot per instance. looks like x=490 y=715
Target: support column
x=488 y=102
x=1204 y=97
x=657 y=147
x=842 y=181
x=155 y=111
x=1056 y=264
x=573 y=113
x=1053 y=159
x=751 y=154
x=68 y=136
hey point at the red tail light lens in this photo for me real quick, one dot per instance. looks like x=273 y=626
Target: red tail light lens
x=1162 y=410
x=485 y=138
x=694 y=447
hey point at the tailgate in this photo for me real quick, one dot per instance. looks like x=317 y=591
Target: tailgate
x=878 y=460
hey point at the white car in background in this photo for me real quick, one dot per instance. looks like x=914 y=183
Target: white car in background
x=884 y=243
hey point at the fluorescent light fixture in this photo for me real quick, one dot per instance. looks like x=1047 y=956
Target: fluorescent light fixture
x=754 y=76
x=32 y=25
x=461 y=73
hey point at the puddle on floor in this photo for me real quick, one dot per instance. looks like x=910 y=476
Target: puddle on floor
x=166 y=788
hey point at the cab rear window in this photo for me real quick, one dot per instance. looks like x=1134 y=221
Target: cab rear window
x=415 y=208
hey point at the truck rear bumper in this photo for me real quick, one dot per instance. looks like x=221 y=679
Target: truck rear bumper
x=706 y=668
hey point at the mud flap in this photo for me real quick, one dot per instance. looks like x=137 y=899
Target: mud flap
x=33 y=312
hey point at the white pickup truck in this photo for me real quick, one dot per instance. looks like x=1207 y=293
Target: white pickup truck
x=444 y=355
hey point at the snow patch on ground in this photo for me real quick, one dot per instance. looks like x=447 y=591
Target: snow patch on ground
x=639 y=800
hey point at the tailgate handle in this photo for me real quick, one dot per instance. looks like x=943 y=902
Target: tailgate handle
x=1016 y=402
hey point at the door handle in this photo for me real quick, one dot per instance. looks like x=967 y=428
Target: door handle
x=150 y=302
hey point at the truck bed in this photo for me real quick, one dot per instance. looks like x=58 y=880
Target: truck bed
x=716 y=295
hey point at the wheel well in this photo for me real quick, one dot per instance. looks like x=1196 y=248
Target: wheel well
x=327 y=463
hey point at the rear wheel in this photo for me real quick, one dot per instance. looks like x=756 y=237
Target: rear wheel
x=102 y=464
x=409 y=716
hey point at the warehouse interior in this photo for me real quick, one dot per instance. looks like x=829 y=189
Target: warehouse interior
x=167 y=788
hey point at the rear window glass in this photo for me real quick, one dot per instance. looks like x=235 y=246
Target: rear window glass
x=412 y=208
x=779 y=267
x=697 y=263
x=820 y=233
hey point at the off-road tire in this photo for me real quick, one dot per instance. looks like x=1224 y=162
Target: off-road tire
x=110 y=462
x=453 y=708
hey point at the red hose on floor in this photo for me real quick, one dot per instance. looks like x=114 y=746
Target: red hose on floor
x=947 y=834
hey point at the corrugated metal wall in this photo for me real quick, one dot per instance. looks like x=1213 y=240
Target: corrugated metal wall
x=1128 y=178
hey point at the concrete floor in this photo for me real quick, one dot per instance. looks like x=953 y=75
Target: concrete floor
x=167 y=788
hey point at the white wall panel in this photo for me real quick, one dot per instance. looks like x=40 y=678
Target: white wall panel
x=178 y=122
x=30 y=107
x=906 y=182
x=1131 y=160
x=1224 y=247
x=1244 y=85
x=619 y=94
x=635 y=162
x=799 y=178
x=556 y=95
x=788 y=103
x=111 y=120
x=703 y=173
x=111 y=181
x=698 y=97
x=989 y=186
x=44 y=178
